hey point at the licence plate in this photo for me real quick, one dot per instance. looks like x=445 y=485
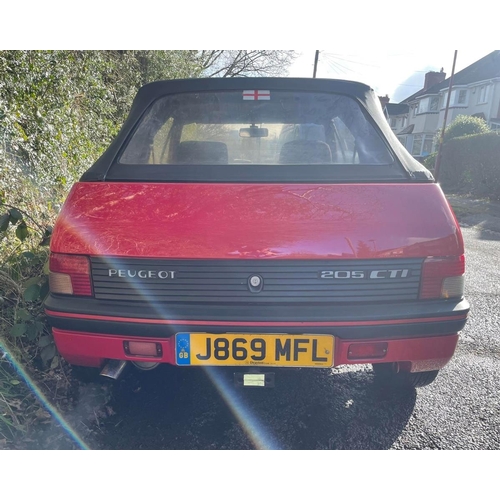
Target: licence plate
x=242 y=349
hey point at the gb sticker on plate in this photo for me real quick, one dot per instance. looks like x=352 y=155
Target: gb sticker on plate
x=182 y=348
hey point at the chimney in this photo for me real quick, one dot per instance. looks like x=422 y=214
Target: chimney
x=433 y=78
x=384 y=100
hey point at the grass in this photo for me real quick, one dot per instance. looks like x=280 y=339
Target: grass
x=21 y=266
x=35 y=404
x=14 y=401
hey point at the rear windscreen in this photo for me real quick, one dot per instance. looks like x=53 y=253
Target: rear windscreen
x=255 y=127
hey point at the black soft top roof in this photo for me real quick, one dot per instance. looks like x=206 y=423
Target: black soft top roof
x=149 y=93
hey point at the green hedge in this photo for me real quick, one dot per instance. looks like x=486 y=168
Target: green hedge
x=430 y=161
x=472 y=165
x=465 y=125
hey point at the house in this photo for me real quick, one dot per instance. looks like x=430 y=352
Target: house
x=423 y=116
x=475 y=92
x=397 y=116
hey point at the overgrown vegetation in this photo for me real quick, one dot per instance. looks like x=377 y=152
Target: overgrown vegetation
x=471 y=165
x=470 y=162
x=464 y=125
x=58 y=112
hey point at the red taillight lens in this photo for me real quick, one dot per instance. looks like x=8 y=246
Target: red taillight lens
x=367 y=350
x=69 y=274
x=133 y=348
x=443 y=277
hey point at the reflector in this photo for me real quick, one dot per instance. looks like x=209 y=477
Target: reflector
x=135 y=348
x=367 y=350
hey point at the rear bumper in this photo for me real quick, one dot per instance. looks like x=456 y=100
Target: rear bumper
x=413 y=354
x=421 y=335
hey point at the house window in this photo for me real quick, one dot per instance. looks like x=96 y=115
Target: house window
x=415 y=109
x=423 y=105
x=423 y=145
x=459 y=97
x=417 y=145
x=403 y=122
x=428 y=105
x=483 y=94
x=428 y=145
x=393 y=122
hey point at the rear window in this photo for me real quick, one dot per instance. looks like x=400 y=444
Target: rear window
x=254 y=128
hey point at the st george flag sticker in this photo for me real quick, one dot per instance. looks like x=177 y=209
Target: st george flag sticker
x=256 y=95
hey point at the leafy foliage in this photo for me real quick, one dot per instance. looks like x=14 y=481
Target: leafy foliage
x=59 y=109
x=471 y=164
x=23 y=287
x=464 y=125
x=430 y=161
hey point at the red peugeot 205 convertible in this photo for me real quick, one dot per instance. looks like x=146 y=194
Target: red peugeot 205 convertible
x=258 y=223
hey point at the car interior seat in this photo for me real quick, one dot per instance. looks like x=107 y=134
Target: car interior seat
x=301 y=151
x=202 y=152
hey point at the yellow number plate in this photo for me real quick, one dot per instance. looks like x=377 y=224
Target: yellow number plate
x=248 y=349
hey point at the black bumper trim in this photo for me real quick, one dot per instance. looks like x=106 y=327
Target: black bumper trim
x=122 y=328
x=310 y=313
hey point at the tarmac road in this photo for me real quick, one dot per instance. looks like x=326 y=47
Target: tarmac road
x=171 y=408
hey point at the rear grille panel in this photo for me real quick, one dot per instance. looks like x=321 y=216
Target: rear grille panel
x=226 y=281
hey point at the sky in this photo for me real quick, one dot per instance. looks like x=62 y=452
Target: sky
x=396 y=73
x=388 y=44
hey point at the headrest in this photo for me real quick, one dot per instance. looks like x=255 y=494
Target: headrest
x=305 y=152
x=202 y=152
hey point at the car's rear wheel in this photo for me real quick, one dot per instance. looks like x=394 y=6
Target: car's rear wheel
x=389 y=375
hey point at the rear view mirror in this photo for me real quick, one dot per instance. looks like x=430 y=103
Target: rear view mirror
x=254 y=131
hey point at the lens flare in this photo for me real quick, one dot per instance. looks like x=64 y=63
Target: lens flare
x=56 y=415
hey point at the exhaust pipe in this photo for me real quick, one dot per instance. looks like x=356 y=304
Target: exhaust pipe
x=113 y=368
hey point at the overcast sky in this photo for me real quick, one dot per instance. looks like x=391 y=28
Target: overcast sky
x=398 y=74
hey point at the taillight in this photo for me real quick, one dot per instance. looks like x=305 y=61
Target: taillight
x=69 y=274
x=443 y=278
x=367 y=350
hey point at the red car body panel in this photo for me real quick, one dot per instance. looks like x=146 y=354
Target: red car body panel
x=418 y=354
x=264 y=221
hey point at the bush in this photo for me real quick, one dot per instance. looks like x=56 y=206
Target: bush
x=430 y=161
x=464 y=125
x=472 y=165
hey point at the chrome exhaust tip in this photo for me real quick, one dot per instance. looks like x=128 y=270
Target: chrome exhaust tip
x=113 y=368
